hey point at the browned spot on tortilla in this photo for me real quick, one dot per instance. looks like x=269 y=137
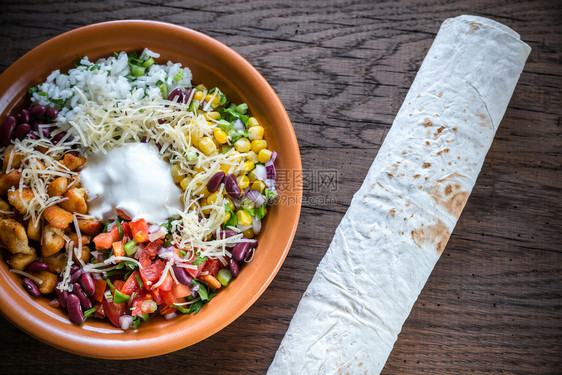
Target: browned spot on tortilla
x=405 y=218
x=426 y=165
x=451 y=197
x=441 y=128
x=404 y=152
x=455 y=129
x=473 y=28
x=485 y=125
x=440 y=95
x=390 y=175
x=482 y=116
x=426 y=178
x=427 y=123
x=464 y=110
x=444 y=151
x=451 y=176
x=418 y=96
x=417 y=175
x=411 y=115
x=437 y=234
x=427 y=143
x=392 y=213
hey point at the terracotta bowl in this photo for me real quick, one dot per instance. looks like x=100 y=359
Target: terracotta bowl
x=213 y=64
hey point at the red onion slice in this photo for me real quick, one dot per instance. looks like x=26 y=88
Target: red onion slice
x=270 y=170
x=255 y=197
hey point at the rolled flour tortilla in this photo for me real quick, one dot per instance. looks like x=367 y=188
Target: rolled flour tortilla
x=401 y=218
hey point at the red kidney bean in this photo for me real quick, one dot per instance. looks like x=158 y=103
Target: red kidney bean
x=87 y=282
x=37 y=266
x=161 y=121
x=215 y=182
x=21 y=131
x=248 y=254
x=35 y=125
x=74 y=268
x=234 y=267
x=74 y=309
x=74 y=152
x=231 y=186
x=37 y=111
x=75 y=275
x=182 y=275
x=84 y=300
x=56 y=139
x=61 y=296
x=33 y=135
x=239 y=251
x=177 y=93
x=46 y=131
x=52 y=113
x=31 y=287
x=144 y=140
x=7 y=130
x=23 y=117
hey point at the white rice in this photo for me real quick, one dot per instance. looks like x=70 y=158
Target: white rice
x=106 y=79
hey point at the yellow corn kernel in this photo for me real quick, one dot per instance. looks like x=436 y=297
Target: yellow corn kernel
x=242 y=145
x=184 y=182
x=214 y=115
x=264 y=156
x=215 y=100
x=244 y=218
x=255 y=132
x=252 y=156
x=248 y=233
x=213 y=197
x=252 y=121
x=198 y=169
x=217 y=143
x=204 y=192
x=264 y=211
x=220 y=135
x=236 y=157
x=248 y=166
x=206 y=211
x=176 y=173
x=201 y=87
x=243 y=182
x=207 y=146
x=225 y=168
x=198 y=95
x=226 y=217
x=258 y=185
x=252 y=176
x=258 y=145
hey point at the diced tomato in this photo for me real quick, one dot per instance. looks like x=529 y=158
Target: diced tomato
x=118 y=250
x=118 y=284
x=152 y=248
x=115 y=233
x=212 y=266
x=180 y=291
x=103 y=241
x=167 y=284
x=138 y=300
x=140 y=230
x=100 y=289
x=127 y=229
x=167 y=297
x=152 y=273
x=114 y=311
x=157 y=296
x=197 y=272
x=131 y=285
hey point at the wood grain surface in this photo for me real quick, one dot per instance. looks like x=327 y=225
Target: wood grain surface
x=342 y=68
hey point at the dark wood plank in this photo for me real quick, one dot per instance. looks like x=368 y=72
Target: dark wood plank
x=342 y=69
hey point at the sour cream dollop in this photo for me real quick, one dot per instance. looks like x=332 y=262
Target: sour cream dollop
x=134 y=179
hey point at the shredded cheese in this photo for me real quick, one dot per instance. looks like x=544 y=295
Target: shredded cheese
x=29 y=276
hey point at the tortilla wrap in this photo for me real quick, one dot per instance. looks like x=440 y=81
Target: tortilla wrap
x=400 y=220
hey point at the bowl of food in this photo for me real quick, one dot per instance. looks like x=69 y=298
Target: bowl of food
x=149 y=189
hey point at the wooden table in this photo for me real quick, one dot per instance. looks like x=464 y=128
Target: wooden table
x=342 y=69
